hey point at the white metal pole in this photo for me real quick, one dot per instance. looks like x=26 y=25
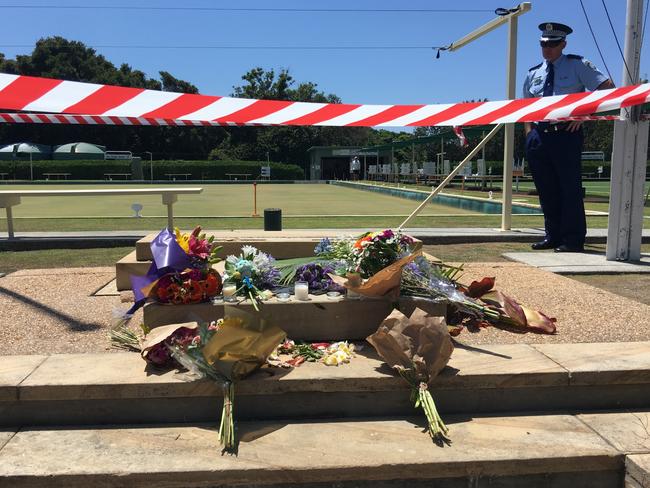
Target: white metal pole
x=509 y=133
x=629 y=156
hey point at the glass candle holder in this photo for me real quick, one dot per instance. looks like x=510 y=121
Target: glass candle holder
x=301 y=290
x=229 y=290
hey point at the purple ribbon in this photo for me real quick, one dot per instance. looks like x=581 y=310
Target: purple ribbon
x=168 y=257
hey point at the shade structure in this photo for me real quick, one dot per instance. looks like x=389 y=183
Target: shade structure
x=78 y=150
x=23 y=150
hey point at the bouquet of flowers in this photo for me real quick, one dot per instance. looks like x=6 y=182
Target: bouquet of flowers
x=191 y=286
x=368 y=253
x=317 y=277
x=201 y=250
x=475 y=305
x=418 y=348
x=374 y=251
x=253 y=273
x=181 y=271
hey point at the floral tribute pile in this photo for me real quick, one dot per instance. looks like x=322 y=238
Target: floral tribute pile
x=384 y=264
x=181 y=270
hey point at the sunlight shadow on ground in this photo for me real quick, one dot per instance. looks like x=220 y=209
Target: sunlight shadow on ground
x=70 y=321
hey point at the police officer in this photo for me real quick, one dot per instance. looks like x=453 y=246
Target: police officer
x=553 y=150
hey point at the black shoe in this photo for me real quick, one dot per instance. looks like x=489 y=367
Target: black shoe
x=545 y=244
x=567 y=248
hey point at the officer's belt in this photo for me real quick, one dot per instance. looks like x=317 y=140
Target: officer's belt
x=549 y=127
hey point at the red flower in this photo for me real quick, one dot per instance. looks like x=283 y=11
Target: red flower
x=194 y=290
x=211 y=284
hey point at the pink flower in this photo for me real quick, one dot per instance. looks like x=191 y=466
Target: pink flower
x=199 y=248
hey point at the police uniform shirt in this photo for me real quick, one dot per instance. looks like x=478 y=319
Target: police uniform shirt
x=573 y=74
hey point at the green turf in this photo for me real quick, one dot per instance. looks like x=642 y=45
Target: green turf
x=303 y=206
x=223 y=200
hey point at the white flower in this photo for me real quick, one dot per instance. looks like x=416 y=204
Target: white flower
x=248 y=251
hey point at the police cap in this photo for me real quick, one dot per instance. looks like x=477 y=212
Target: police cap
x=552 y=31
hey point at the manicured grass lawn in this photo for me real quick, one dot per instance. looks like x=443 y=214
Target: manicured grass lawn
x=230 y=206
x=222 y=200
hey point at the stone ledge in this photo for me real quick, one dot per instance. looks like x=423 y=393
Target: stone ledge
x=281 y=245
x=602 y=363
x=307 y=452
x=13 y=370
x=637 y=466
x=126 y=375
x=627 y=431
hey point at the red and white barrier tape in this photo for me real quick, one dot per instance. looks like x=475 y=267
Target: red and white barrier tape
x=69 y=102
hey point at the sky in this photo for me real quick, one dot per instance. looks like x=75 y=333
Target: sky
x=382 y=75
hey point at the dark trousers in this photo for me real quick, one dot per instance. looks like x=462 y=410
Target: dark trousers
x=554 y=160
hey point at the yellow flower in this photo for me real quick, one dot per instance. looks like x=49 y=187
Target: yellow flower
x=338 y=353
x=183 y=240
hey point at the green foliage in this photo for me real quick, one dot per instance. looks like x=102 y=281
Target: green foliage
x=199 y=170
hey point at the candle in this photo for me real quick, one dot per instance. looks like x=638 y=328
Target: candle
x=229 y=290
x=301 y=290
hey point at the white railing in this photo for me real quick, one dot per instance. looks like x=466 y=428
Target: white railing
x=11 y=198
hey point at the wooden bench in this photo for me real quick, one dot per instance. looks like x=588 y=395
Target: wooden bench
x=173 y=176
x=56 y=176
x=110 y=176
x=11 y=198
x=235 y=176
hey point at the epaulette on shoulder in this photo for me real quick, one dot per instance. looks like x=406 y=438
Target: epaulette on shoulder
x=573 y=56
x=535 y=67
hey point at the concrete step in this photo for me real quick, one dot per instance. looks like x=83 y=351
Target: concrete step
x=507 y=451
x=127 y=266
x=85 y=389
x=317 y=319
x=281 y=245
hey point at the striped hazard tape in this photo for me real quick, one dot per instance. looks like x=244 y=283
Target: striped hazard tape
x=53 y=101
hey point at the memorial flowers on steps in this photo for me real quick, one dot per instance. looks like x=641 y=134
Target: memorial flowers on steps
x=385 y=264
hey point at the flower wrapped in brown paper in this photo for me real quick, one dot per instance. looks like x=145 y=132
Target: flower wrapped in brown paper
x=156 y=345
x=384 y=283
x=418 y=348
x=243 y=343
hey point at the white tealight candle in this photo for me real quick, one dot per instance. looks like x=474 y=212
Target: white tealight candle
x=229 y=290
x=301 y=290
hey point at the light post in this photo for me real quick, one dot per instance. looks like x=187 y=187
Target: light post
x=150 y=164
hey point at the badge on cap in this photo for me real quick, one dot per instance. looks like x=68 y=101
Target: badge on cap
x=553 y=31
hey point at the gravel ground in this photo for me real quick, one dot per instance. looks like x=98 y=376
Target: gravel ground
x=54 y=311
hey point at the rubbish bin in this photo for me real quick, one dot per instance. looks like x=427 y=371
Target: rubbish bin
x=272 y=219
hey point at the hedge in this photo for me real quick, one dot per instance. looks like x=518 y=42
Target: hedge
x=199 y=170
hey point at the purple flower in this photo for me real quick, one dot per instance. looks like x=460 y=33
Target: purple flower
x=316 y=276
x=159 y=355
